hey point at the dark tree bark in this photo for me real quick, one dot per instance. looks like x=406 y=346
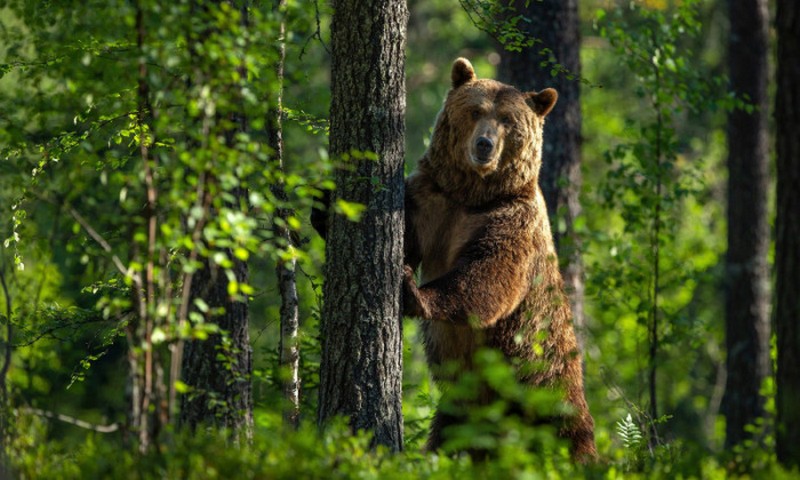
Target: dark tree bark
x=555 y=24
x=5 y=404
x=361 y=367
x=221 y=389
x=787 y=225
x=746 y=279
x=219 y=369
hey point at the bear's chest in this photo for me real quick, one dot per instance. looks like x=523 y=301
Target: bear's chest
x=443 y=230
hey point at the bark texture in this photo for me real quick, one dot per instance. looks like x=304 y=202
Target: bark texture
x=361 y=365
x=289 y=352
x=787 y=242
x=746 y=294
x=5 y=410
x=555 y=23
x=219 y=368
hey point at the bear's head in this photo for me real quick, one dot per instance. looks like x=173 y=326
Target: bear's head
x=487 y=140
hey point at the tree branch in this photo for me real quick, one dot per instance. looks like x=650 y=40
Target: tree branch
x=73 y=421
x=103 y=243
x=317 y=34
x=52 y=329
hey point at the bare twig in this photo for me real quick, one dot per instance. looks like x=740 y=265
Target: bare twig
x=50 y=330
x=103 y=244
x=317 y=33
x=72 y=420
x=655 y=245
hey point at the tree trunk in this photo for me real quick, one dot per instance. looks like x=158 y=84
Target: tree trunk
x=555 y=23
x=148 y=414
x=289 y=352
x=219 y=369
x=746 y=295
x=361 y=365
x=787 y=225
x=5 y=401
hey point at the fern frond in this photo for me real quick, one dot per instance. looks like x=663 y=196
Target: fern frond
x=629 y=433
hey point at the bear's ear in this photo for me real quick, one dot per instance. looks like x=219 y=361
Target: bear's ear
x=462 y=72
x=542 y=102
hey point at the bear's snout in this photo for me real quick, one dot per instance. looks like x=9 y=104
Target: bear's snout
x=483 y=149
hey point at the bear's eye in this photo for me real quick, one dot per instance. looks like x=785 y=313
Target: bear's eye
x=476 y=114
x=506 y=120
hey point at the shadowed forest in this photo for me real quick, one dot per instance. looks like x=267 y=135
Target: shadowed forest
x=167 y=309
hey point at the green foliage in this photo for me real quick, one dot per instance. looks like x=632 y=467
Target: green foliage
x=75 y=231
x=275 y=454
x=508 y=27
x=629 y=433
x=632 y=442
x=137 y=156
x=309 y=453
x=652 y=266
x=513 y=425
x=485 y=14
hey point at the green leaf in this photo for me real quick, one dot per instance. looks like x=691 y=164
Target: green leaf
x=351 y=210
x=181 y=387
x=158 y=336
x=241 y=253
x=201 y=305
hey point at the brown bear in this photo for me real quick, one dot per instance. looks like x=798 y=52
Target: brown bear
x=477 y=225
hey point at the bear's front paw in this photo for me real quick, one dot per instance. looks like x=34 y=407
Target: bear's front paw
x=411 y=296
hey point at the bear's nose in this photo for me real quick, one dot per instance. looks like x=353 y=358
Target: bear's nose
x=483 y=147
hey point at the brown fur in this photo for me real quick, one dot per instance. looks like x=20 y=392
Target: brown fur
x=477 y=226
